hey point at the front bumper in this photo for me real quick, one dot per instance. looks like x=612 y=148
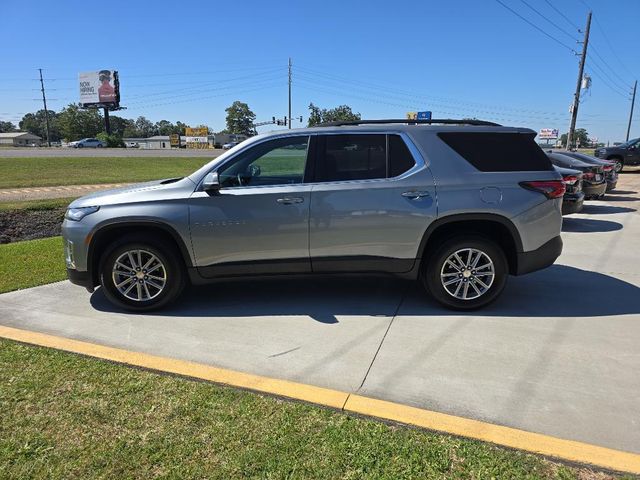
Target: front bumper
x=80 y=278
x=539 y=258
x=572 y=203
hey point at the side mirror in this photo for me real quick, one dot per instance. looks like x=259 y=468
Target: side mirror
x=211 y=182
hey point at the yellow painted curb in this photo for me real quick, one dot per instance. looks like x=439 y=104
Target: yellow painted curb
x=499 y=435
x=299 y=391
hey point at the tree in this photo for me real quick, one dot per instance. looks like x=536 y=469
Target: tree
x=120 y=125
x=580 y=138
x=36 y=123
x=165 y=127
x=145 y=127
x=315 y=115
x=76 y=123
x=6 y=127
x=240 y=119
x=342 y=113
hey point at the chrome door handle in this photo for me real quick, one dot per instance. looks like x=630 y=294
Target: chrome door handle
x=414 y=195
x=289 y=200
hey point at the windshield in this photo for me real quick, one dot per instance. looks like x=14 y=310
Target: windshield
x=629 y=143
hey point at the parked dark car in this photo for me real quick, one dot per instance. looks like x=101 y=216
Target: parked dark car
x=608 y=167
x=593 y=182
x=627 y=153
x=573 y=196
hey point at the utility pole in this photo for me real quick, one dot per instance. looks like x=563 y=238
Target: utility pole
x=633 y=101
x=576 y=97
x=289 y=118
x=46 y=112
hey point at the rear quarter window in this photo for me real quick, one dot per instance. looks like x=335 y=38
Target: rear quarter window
x=498 y=152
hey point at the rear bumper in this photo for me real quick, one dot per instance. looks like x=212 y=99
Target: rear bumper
x=572 y=203
x=594 y=190
x=539 y=258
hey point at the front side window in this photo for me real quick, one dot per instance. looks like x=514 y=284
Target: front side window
x=277 y=162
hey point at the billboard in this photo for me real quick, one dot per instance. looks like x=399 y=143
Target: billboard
x=548 y=134
x=197 y=137
x=99 y=88
x=412 y=115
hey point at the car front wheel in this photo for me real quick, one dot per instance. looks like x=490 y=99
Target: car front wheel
x=142 y=274
x=466 y=272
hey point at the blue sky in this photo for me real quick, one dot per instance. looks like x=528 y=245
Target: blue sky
x=464 y=58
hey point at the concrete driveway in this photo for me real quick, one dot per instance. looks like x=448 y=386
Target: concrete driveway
x=558 y=354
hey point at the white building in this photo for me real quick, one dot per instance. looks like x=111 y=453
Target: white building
x=20 y=139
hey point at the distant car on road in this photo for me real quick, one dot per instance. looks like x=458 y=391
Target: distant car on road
x=132 y=145
x=627 y=153
x=229 y=145
x=87 y=143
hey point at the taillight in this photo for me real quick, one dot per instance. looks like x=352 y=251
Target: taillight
x=589 y=175
x=570 y=179
x=607 y=168
x=549 y=188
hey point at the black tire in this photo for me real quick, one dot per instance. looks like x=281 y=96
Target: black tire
x=80 y=146
x=435 y=265
x=98 y=146
x=619 y=163
x=168 y=256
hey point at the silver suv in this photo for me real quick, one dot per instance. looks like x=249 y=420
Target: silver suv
x=459 y=205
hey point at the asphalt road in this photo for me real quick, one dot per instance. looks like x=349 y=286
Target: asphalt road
x=105 y=152
x=557 y=354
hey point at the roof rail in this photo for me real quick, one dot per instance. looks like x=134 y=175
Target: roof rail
x=441 y=121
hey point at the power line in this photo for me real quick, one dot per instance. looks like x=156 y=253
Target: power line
x=562 y=15
x=559 y=42
x=605 y=82
x=550 y=21
x=601 y=29
x=610 y=69
x=430 y=98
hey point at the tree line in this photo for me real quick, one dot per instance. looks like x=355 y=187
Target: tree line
x=73 y=123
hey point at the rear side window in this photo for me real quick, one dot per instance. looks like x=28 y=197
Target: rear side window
x=400 y=158
x=362 y=157
x=498 y=152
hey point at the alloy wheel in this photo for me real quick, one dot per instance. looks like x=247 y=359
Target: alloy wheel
x=139 y=275
x=467 y=274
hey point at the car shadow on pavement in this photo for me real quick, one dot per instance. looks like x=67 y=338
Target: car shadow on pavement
x=605 y=209
x=588 y=225
x=621 y=192
x=557 y=291
x=620 y=198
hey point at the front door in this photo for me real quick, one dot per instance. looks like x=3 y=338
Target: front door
x=258 y=222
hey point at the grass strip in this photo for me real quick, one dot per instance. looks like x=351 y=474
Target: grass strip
x=18 y=172
x=32 y=205
x=68 y=416
x=31 y=263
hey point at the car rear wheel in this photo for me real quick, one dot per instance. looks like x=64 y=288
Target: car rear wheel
x=465 y=273
x=142 y=274
x=619 y=164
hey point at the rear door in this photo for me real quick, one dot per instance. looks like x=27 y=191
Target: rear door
x=371 y=202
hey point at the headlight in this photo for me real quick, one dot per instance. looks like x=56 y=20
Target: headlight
x=77 y=214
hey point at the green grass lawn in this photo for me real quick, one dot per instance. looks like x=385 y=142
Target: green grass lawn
x=31 y=263
x=41 y=171
x=68 y=416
